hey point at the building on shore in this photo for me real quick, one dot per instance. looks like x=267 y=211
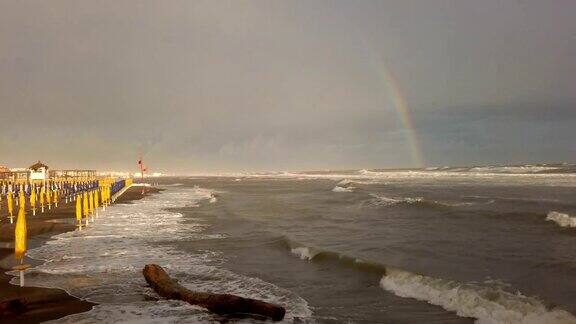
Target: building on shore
x=4 y=172
x=38 y=171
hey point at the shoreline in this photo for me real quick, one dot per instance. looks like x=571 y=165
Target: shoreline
x=44 y=304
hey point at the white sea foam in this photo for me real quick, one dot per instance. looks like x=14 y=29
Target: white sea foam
x=380 y=200
x=103 y=264
x=368 y=172
x=160 y=312
x=388 y=201
x=482 y=175
x=344 y=182
x=304 y=253
x=513 y=169
x=561 y=219
x=488 y=305
x=342 y=189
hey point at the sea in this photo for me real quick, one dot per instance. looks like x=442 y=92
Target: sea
x=438 y=245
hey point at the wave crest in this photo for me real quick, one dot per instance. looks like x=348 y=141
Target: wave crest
x=380 y=200
x=344 y=182
x=487 y=304
x=564 y=220
x=304 y=253
x=342 y=189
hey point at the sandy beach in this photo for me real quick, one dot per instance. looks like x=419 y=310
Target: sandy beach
x=43 y=304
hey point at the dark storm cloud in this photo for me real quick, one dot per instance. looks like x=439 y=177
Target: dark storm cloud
x=515 y=134
x=252 y=85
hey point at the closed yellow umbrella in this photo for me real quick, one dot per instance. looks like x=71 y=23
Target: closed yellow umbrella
x=21 y=198
x=85 y=206
x=20 y=234
x=79 y=213
x=96 y=202
x=91 y=203
x=10 y=202
x=33 y=201
x=103 y=195
x=20 y=243
x=55 y=196
x=42 y=194
x=49 y=198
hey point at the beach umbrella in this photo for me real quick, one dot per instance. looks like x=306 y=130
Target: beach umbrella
x=10 y=202
x=103 y=194
x=42 y=194
x=55 y=198
x=91 y=203
x=85 y=206
x=49 y=197
x=20 y=233
x=96 y=202
x=20 y=238
x=21 y=198
x=33 y=201
x=79 y=213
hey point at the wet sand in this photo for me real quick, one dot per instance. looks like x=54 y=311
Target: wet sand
x=43 y=304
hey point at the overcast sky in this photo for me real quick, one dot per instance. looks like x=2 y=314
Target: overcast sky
x=285 y=85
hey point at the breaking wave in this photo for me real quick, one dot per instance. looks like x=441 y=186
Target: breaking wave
x=388 y=201
x=380 y=200
x=515 y=169
x=342 y=189
x=344 y=182
x=488 y=304
x=369 y=173
x=564 y=220
x=308 y=253
x=304 y=253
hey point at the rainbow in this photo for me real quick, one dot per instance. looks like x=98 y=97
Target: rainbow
x=398 y=99
x=403 y=113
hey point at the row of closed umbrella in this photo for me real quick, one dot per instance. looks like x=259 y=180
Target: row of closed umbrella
x=87 y=204
x=45 y=194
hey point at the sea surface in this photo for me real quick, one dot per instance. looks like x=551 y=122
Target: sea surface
x=438 y=245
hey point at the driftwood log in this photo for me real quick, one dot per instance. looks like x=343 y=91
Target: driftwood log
x=222 y=304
